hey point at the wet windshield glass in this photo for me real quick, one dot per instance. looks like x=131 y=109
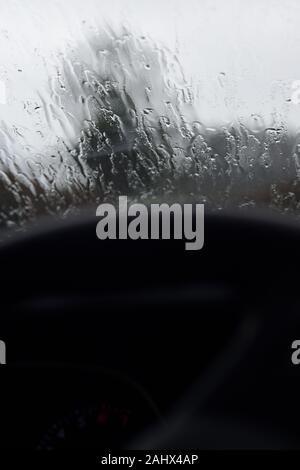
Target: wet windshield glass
x=155 y=100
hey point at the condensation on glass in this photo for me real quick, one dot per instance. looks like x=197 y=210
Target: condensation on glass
x=198 y=102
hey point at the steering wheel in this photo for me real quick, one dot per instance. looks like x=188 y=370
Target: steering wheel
x=143 y=344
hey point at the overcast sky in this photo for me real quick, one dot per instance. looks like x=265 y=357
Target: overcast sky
x=240 y=57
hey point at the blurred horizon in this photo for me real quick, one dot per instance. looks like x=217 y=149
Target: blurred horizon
x=193 y=101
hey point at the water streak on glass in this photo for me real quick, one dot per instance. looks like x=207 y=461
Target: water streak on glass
x=193 y=104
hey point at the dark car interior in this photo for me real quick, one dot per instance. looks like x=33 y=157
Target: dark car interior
x=127 y=345
x=137 y=343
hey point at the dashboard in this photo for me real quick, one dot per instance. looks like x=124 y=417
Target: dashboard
x=109 y=342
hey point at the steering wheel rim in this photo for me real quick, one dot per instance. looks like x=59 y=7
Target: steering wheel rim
x=232 y=254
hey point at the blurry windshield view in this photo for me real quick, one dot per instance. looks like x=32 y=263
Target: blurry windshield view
x=156 y=100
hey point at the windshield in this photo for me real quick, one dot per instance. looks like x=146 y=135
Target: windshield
x=155 y=100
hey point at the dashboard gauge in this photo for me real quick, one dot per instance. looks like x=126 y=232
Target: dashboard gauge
x=99 y=426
